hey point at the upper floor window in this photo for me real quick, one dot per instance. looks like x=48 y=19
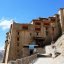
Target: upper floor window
x=46 y=30
x=52 y=19
x=17 y=38
x=52 y=28
x=30 y=34
x=37 y=23
x=25 y=27
x=37 y=33
x=37 y=29
x=46 y=23
x=18 y=33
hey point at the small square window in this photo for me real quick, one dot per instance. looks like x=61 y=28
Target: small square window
x=37 y=23
x=37 y=33
x=17 y=38
x=53 y=28
x=18 y=33
x=25 y=27
x=30 y=34
x=46 y=30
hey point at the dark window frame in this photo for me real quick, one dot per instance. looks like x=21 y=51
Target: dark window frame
x=30 y=34
x=37 y=23
x=37 y=33
x=46 y=30
x=18 y=33
x=25 y=27
x=38 y=29
x=17 y=38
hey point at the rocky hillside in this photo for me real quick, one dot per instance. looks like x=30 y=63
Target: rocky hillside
x=60 y=44
x=59 y=48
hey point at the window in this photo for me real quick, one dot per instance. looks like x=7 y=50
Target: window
x=52 y=19
x=37 y=23
x=53 y=28
x=18 y=33
x=25 y=27
x=46 y=30
x=37 y=33
x=17 y=38
x=38 y=29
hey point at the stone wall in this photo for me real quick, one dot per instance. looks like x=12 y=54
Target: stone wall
x=25 y=60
